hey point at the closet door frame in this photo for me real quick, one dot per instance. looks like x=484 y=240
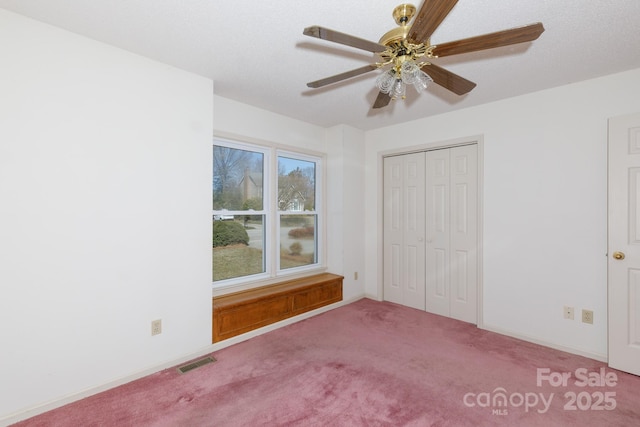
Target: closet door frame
x=475 y=139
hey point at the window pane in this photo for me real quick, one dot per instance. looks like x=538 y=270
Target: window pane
x=296 y=185
x=297 y=240
x=237 y=179
x=238 y=246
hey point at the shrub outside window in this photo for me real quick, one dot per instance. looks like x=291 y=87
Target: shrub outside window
x=238 y=212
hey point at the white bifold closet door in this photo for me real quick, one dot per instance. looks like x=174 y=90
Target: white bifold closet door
x=452 y=232
x=404 y=230
x=430 y=231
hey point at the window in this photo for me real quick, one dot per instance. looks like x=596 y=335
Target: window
x=296 y=211
x=266 y=213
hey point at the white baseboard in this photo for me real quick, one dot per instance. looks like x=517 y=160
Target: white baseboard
x=576 y=351
x=40 y=409
x=373 y=297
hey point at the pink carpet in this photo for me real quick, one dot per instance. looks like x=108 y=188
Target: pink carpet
x=371 y=364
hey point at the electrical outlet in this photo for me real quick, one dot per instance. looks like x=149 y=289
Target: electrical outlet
x=355 y=276
x=156 y=327
x=587 y=316
x=568 y=312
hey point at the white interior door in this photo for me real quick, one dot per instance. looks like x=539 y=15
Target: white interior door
x=624 y=243
x=452 y=232
x=404 y=246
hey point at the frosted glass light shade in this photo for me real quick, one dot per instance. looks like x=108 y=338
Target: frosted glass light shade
x=385 y=81
x=422 y=81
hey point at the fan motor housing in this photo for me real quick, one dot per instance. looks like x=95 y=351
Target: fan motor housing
x=395 y=35
x=402 y=14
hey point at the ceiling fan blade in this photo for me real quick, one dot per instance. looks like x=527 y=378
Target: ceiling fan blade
x=382 y=100
x=342 y=38
x=448 y=80
x=428 y=18
x=342 y=76
x=490 y=41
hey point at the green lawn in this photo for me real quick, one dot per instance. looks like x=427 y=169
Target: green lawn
x=241 y=260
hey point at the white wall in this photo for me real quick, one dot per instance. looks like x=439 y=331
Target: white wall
x=245 y=121
x=345 y=215
x=105 y=171
x=545 y=201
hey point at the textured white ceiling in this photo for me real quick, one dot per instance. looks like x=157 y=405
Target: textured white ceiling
x=256 y=53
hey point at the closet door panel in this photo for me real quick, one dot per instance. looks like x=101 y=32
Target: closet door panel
x=392 y=237
x=414 y=247
x=404 y=223
x=464 y=233
x=438 y=222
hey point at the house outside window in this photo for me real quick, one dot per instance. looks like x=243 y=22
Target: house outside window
x=265 y=212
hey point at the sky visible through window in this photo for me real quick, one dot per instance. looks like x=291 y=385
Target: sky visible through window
x=286 y=165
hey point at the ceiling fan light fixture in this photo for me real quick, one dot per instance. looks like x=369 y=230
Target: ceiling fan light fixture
x=409 y=71
x=399 y=90
x=394 y=82
x=422 y=81
x=386 y=81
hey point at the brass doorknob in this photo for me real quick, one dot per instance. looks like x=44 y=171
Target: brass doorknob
x=618 y=255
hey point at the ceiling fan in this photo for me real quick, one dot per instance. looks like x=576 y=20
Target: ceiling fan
x=407 y=51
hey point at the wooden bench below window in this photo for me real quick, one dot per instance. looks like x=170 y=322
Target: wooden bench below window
x=244 y=311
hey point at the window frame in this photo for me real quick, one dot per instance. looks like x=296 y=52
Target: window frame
x=318 y=203
x=271 y=213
